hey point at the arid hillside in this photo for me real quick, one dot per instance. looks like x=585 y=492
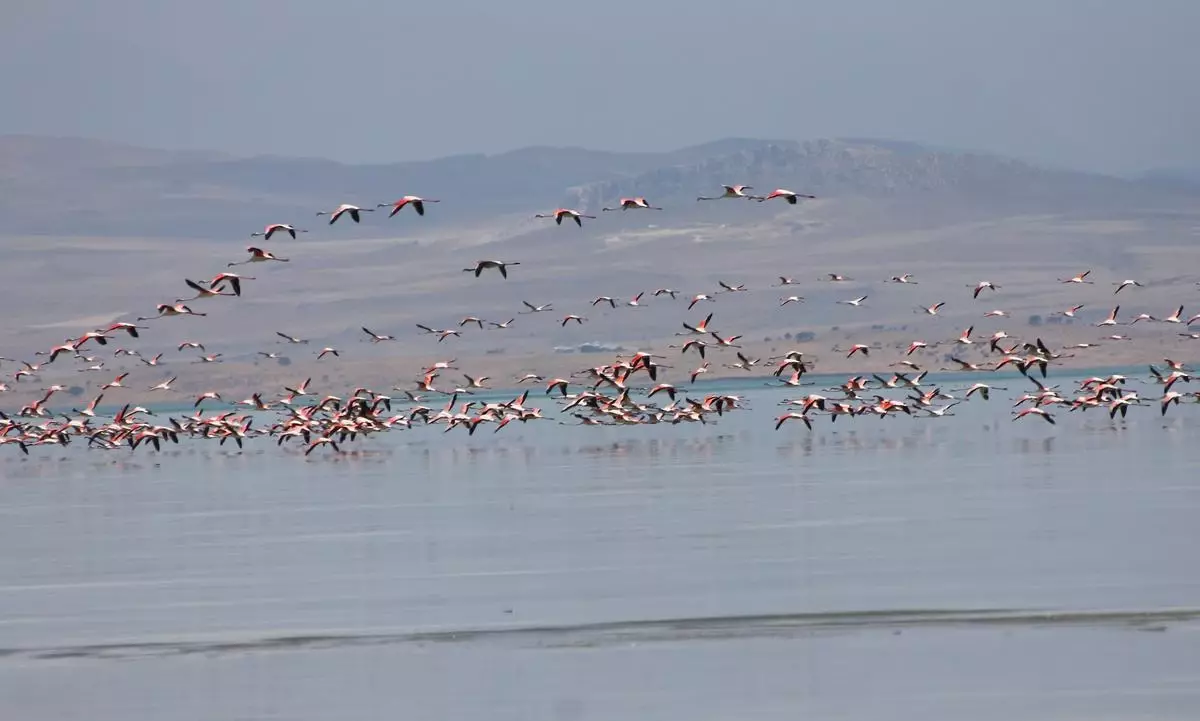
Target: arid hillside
x=95 y=233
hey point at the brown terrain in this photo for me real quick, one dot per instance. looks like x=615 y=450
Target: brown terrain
x=94 y=233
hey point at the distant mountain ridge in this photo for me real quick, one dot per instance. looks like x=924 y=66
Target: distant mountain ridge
x=78 y=187
x=879 y=169
x=1187 y=178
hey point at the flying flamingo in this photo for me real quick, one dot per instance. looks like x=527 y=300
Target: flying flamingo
x=979 y=287
x=700 y=328
x=274 y=228
x=1035 y=412
x=258 y=255
x=1081 y=278
x=788 y=195
x=731 y=191
x=632 y=204
x=377 y=337
x=417 y=203
x=165 y=310
x=1111 y=319
x=201 y=292
x=561 y=213
x=500 y=265
x=346 y=209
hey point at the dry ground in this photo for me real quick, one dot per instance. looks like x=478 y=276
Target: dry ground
x=54 y=288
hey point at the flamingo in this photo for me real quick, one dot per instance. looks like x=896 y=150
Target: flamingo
x=115 y=382
x=206 y=396
x=700 y=328
x=1035 y=411
x=322 y=441
x=164 y=386
x=377 y=337
x=561 y=213
x=500 y=265
x=788 y=195
x=345 y=209
x=274 y=228
x=1111 y=319
x=790 y=416
x=257 y=255
x=201 y=292
x=90 y=411
x=417 y=203
x=1081 y=278
x=982 y=285
x=632 y=204
x=233 y=279
x=731 y=191
x=165 y=310
x=129 y=328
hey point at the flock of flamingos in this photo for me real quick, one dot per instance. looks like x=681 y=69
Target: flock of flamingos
x=630 y=390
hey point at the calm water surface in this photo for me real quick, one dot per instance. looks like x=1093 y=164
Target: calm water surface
x=964 y=567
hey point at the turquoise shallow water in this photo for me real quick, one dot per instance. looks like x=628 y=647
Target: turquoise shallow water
x=965 y=567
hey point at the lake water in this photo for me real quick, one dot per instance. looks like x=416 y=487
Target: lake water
x=964 y=567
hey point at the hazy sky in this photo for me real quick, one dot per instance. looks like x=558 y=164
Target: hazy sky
x=1089 y=84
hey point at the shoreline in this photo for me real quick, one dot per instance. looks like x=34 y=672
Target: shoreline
x=728 y=381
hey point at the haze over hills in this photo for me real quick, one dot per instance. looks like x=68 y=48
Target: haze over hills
x=97 y=232
x=65 y=186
